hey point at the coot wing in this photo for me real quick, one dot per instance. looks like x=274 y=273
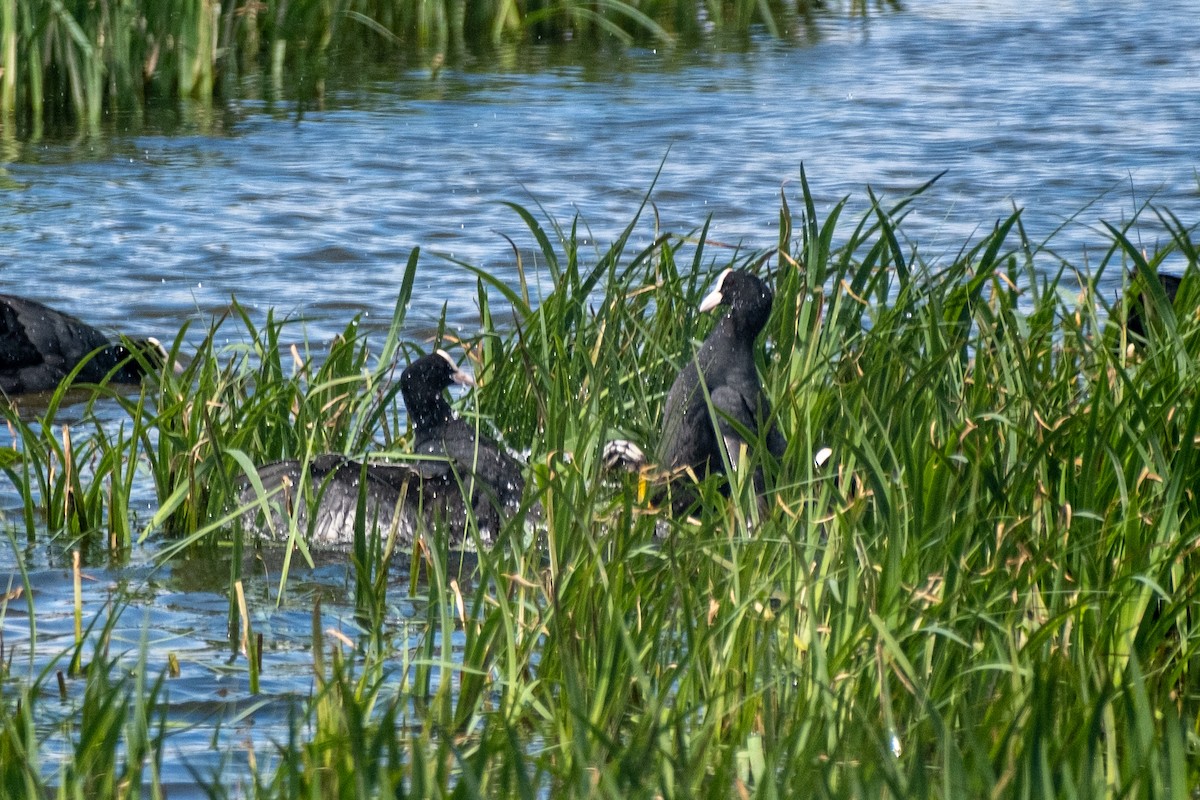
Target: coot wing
x=408 y=495
x=681 y=439
x=335 y=483
x=479 y=456
x=735 y=415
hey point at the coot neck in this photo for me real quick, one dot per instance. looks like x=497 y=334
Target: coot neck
x=117 y=355
x=429 y=414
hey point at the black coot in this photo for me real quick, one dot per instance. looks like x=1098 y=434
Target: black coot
x=726 y=362
x=1141 y=304
x=40 y=346
x=451 y=462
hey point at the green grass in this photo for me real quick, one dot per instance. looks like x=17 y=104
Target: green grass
x=69 y=64
x=991 y=593
x=104 y=715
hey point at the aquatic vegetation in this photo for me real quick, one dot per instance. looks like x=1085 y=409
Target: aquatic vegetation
x=69 y=64
x=990 y=590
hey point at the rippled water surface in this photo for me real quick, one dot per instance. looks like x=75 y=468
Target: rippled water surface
x=1077 y=112
x=1071 y=110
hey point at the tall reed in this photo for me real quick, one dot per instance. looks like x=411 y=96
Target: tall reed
x=988 y=592
x=72 y=63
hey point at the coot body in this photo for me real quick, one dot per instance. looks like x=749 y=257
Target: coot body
x=456 y=475
x=40 y=346
x=1134 y=322
x=725 y=362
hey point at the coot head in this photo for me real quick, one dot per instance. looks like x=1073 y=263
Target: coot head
x=747 y=299
x=423 y=383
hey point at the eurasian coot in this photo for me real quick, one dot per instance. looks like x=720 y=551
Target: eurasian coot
x=40 y=346
x=725 y=361
x=451 y=462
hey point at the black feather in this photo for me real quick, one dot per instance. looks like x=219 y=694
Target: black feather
x=1141 y=305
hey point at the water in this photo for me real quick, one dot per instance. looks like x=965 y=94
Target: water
x=1077 y=112
x=181 y=610
x=1050 y=108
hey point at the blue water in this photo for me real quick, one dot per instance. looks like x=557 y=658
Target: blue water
x=1077 y=112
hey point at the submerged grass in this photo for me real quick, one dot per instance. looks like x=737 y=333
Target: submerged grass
x=991 y=592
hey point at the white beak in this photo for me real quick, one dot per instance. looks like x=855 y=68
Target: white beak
x=714 y=298
x=459 y=377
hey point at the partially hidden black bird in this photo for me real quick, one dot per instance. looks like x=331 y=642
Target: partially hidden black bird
x=40 y=346
x=451 y=462
x=716 y=406
x=725 y=365
x=1141 y=303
